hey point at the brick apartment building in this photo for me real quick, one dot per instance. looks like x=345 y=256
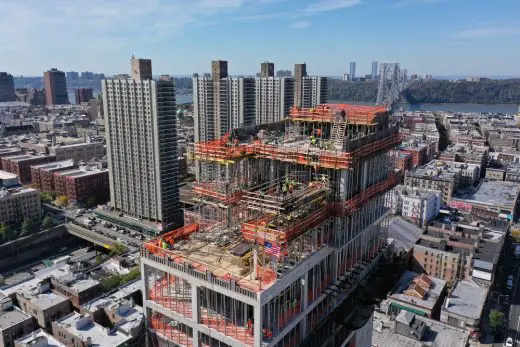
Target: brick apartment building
x=82 y=183
x=43 y=175
x=21 y=165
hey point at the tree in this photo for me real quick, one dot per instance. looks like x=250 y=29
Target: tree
x=62 y=201
x=46 y=197
x=111 y=282
x=27 y=227
x=496 y=319
x=118 y=249
x=48 y=222
x=4 y=232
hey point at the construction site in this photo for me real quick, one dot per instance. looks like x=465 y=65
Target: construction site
x=290 y=220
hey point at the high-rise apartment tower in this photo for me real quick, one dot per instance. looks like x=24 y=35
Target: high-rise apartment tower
x=7 y=87
x=140 y=120
x=374 y=69
x=300 y=71
x=141 y=68
x=55 y=84
x=352 y=70
x=267 y=69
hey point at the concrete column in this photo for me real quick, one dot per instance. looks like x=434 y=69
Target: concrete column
x=257 y=328
x=305 y=303
x=195 y=312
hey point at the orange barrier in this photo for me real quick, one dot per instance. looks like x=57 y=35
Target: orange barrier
x=211 y=190
x=222 y=152
x=354 y=114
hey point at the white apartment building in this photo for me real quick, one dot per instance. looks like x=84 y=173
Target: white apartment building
x=415 y=204
x=17 y=204
x=315 y=91
x=274 y=97
x=140 y=120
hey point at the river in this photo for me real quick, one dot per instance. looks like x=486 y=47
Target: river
x=492 y=108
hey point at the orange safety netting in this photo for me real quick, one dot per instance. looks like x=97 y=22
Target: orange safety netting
x=219 y=151
x=258 y=231
x=167 y=328
x=354 y=114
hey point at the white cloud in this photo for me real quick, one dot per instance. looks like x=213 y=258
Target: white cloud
x=402 y=3
x=330 y=5
x=488 y=32
x=300 y=24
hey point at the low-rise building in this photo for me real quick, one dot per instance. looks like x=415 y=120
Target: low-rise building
x=435 y=177
x=513 y=174
x=415 y=204
x=83 y=184
x=44 y=305
x=77 y=330
x=38 y=338
x=78 y=290
x=9 y=152
x=14 y=323
x=419 y=294
x=464 y=307
x=43 y=175
x=8 y=180
x=21 y=165
x=78 y=152
x=17 y=204
x=492 y=200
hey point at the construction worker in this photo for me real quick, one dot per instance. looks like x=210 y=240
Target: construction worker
x=291 y=187
x=285 y=188
x=313 y=140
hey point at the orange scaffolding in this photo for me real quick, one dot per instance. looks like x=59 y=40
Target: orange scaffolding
x=327 y=113
x=224 y=153
x=257 y=230
x=218 y=192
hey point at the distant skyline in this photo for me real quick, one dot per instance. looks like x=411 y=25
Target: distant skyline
x=438 y=37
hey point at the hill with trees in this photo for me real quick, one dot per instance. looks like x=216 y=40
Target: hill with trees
x=434 y=91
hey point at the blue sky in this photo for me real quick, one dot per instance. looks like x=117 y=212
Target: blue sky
x=441 y=37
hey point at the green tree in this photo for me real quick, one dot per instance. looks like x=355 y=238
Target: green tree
x=28 y=227
x=496 y=319
x=117 y=249
x=99 y=259
x=46 y=197
x=48 y=222
x=62 y=200
x=132 y=275
x=4 y=232
x=111 y=282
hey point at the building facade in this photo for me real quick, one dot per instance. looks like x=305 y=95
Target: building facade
x=17 y=204
x=21 y=165
x=91 y=186
x=417 y=205
x=352 y=72
x=140 y=121
x=42 y=175
x=315 y=91
x=267 y=69
x=7 y=92
x=55 y=84
x=83 y=95
x=78 y=152
x=300 y=71
x=273 y=99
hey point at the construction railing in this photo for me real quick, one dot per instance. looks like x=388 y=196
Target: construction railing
x=353 y=114
x=259 y=230
x=224 y=153
x=218 y=191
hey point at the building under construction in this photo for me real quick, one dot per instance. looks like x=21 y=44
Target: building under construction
x=291 y=222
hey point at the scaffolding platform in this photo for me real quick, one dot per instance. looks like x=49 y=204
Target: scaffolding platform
x=329 y=113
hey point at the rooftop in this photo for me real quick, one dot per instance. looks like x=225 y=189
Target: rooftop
x=113 y=298
x=54 y=165
x=467 y=300
x=410 y=292
x=494 y=193
x=15 y=191
x=82 y=327
x=404 y=233
x=45 y=300
x=11 y=316
x=4 y=175
x=34 y=338
x=435 y=171
x=438 y=335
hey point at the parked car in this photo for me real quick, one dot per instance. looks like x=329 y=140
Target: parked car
x=509 y=284
x=509 y=342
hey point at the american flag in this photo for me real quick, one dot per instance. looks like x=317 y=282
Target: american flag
x=269 y=248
